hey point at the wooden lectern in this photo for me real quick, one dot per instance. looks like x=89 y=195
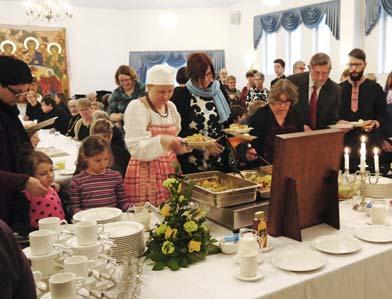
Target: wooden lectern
x=304 y=188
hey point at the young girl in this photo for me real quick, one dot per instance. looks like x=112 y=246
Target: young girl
x=40 y=166
x=96 y=185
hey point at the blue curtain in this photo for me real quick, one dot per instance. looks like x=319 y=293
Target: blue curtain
x=310 y=16
x=373 y=12
x=142 y=61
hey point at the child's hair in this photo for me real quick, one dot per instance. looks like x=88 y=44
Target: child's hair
x=92 y=146
x=98 y=114
x=33 y=160
x=102 y=127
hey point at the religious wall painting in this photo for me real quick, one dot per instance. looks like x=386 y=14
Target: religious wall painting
x=44 y=50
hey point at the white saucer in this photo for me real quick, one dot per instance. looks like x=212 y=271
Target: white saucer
x=260 y=258
x=67 y=171
x=269 y=247
x=27 y=252
x=387 y=223
x=258 y=276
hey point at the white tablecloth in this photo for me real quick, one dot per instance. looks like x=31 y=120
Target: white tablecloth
x=366 y=274
x=65 y=144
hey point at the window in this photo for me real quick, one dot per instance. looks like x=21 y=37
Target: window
x=385 y=44
x=321 y=38
x=268 y=54
x=293 y=48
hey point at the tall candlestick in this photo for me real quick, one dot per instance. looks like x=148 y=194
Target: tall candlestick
x=346 y=159
x=363 y=154
x=376 y=161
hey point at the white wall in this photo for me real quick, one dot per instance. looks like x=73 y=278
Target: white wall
x=99 y=40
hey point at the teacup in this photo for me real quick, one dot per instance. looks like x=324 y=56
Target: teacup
x=64 y=285
x=90 y=251
x=87 y=232
x=51 y=223
x=248 y=263
x=46 y=265
x=41 y=242
x=249 y=241
x=78 y=265
x=378 y=212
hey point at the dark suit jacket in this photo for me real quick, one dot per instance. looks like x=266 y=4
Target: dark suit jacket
x=327 y=103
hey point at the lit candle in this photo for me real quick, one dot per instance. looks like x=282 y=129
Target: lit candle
x=376 y=161
x=346 y=159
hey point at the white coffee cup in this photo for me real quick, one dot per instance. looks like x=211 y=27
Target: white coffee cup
x=378 y=212
x=90 y=251
x=51 y=223
x=41 y=242
x=248 y=263
x=87 y=232
x=78 y=265
x=63 y=285
x=249 y=241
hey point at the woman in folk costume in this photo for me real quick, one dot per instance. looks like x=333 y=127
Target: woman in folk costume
x=151 y=126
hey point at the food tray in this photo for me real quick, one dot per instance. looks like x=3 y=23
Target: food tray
x=262 y=192
x=243 y=192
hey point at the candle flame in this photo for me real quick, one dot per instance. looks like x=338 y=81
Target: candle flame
x=346 y=150
x=375 y=150
x=363 y=139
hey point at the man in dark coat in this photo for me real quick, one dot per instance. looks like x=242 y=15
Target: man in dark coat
x=15 y=77
x=319 y=96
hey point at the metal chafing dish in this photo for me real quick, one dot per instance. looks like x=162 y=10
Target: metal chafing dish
x=264 y=170
x=243 y=191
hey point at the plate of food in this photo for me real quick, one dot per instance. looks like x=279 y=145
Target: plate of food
x=199 y=141
x=359 y=123
x=347 y=125
x=238 y=128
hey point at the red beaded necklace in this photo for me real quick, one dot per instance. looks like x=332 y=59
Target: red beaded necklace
x=153 y=108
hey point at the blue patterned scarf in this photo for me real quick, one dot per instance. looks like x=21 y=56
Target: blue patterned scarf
x=216 y=94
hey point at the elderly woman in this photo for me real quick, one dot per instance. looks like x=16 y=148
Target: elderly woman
x=83 y=125
x=273 y=119
x=75 y=116
x=151 y=126
x=33 y=107
x=129 y=88
x=204 y=108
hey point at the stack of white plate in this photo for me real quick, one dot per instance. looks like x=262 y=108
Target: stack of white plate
x=100 y=215
x=128 y=238
x=382 y=189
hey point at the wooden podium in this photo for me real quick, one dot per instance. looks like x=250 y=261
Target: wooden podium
x=304 y=188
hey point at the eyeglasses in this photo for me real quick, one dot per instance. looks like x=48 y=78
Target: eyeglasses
x=284 y=103
x=125 y=80
x=16 y=93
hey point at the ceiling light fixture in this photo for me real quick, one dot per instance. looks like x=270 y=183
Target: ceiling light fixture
x=49 y=10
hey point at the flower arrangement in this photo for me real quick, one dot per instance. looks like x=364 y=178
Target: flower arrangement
x=182 y=238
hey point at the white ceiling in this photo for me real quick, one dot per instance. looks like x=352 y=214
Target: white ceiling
x=151 y=4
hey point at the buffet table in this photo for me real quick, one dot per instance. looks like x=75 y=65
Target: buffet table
x=50 y=142
x=364 y=274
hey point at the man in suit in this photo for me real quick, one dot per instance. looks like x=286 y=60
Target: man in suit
x=279 y=66
x=319 y=96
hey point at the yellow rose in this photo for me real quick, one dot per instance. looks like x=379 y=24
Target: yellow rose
x=169 y=182
x=194 y=246
x=190 y=226
x=165 y=210
x=170 y=233
x=167 y=247
x=181 y=198
x=161 y=229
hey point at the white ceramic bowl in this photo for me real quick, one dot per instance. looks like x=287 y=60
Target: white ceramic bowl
x=228 y=247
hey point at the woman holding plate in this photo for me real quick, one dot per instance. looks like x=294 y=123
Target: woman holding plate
x=204 y=108
x=151 y=126
x=273 y=119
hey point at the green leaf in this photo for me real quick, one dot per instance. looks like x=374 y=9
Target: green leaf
x=159 y=266
x=173 y=264
x=183 y=262
x=213 y=249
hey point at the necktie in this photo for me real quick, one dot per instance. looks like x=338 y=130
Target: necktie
x=354 y=97
x=313 y=109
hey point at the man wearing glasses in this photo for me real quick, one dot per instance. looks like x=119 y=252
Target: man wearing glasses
x=318 y=95
x=362 y=100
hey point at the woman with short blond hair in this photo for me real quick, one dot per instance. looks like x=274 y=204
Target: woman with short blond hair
x=83 y=125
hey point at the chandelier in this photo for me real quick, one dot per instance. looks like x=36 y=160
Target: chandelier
x=49 y=10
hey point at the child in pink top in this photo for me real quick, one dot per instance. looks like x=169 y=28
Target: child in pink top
x=40 y=166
